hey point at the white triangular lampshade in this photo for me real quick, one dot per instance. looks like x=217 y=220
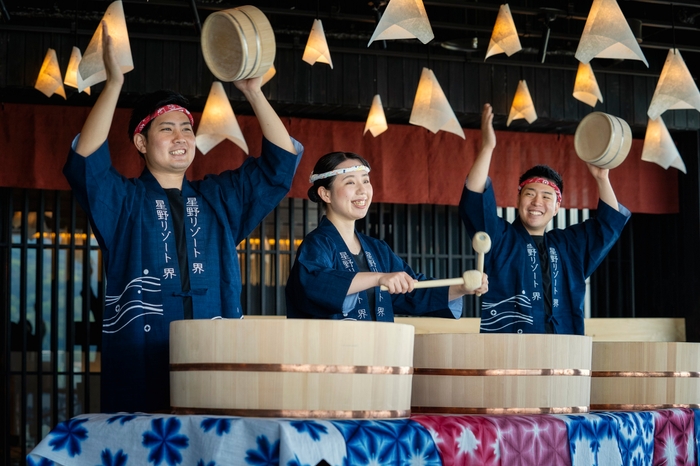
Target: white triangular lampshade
x=49 y=80
x=676 y=88
x=403 y=19
x=92 y=69
x=608 y=35
x=71 y=77
x=586 y=86
x=376 y=120
x=269 y=74
x=218 y=122
x=316 y=47
x=659 y=147
x=504 y=38
x=522 y=105
x=431 y=109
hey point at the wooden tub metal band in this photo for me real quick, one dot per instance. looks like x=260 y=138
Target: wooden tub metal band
x=640 y=407
x=669 y=374
x=458 y=410
x=301 y=368
x=297 y=413
x=501 y=372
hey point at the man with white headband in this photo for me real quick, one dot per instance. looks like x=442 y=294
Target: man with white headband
x=537 y=278
x=168 y=243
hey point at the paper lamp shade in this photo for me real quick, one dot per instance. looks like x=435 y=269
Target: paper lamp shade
x=522 y=105
x=676 y=88
x=586 y=87
x=376 y=120
x=431 y=109
x=607 y=35
x=269 y=74
x=49 y=80
x=316 y=47
x=71 y=78
x=504 y=38
x=659 y=147
x=92 y=69
x=403 y=19
x=218 y=122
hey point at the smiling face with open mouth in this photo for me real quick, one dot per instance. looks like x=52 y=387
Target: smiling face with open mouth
x=537 y=204
x=170 y=145
x=350 y=194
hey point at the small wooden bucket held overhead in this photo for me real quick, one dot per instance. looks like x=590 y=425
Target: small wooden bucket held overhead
x=603 y=140
x=629 y=376
x=291 y=368
x=238 y=43
x=501 y=374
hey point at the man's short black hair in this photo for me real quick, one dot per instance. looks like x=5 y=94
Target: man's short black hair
x=544 y=171
x=149 y=104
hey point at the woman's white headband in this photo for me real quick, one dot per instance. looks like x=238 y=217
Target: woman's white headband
x=339 y=171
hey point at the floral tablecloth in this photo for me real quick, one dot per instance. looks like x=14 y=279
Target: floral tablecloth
x=663 y=437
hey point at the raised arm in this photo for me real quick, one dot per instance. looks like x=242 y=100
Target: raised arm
x=476 y=180
x=96 y=127
x=272 y=127
x=605 y=189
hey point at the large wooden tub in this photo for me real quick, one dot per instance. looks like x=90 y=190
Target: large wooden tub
x=645 y=375
x=291 y=368
x=501 y=374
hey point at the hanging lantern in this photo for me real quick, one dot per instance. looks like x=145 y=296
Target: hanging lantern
x=92 y=69
x=522 y=105
x=431 y=109
x=608 y=35
x=586 y=87
x=49 y=80
x=376 y=120
x=218 y=122
x=403 y=19
x=504 y=38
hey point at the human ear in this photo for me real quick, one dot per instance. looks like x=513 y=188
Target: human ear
x=140 y=143
x=324 y=194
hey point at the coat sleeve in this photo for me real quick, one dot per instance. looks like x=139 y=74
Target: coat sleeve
x=432 y=302
x=101 y=191
x=253 y=190
x=588 y=243
x=316 y=285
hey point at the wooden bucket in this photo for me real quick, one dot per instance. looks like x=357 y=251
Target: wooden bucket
x=238 y=43
x=501 y=374
x=291 y=368
x=603 y=140
x=646 y=375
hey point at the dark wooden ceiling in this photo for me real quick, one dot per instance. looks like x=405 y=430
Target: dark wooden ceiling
x=349 y=24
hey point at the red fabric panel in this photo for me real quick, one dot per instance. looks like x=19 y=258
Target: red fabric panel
x=410 y=165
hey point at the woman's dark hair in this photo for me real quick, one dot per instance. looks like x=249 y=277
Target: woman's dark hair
x=149 y=104
x=544 y=171
x=328 y=163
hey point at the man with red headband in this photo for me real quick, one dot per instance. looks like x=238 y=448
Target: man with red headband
x=168 y=243
x=537 y=278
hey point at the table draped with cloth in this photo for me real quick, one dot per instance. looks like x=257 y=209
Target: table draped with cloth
x=661 y=437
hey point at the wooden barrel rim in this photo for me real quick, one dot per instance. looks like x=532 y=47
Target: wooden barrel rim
x=640 y=407
x=297 y=413
x=669 y=374
x=501 y=372
x=302 y=368
x=455 y=410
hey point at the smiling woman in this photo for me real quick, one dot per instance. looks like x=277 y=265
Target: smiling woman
x=340 y=273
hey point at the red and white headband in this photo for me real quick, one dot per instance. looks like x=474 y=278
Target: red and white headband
x=536 y=179
x=161 y=111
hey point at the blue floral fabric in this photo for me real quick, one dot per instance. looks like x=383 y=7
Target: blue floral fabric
x=668 y=437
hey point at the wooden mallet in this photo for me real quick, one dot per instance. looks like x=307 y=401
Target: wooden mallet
x=471 y=279
x=481 y=244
